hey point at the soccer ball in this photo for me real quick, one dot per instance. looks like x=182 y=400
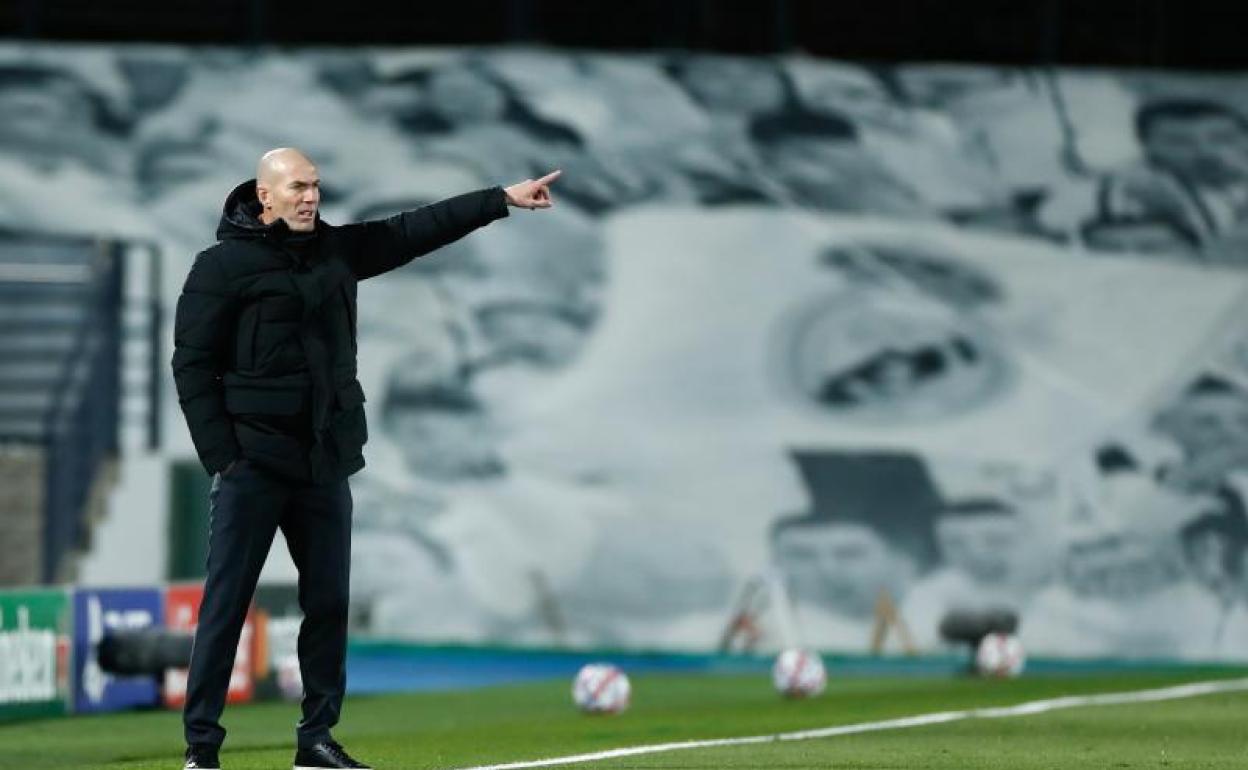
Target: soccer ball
x=601 y=688
x=799 y=674
x=1000 y=655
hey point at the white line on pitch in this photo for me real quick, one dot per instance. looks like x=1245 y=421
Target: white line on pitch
x=919 y=720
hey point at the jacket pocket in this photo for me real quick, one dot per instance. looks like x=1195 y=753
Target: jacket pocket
x=349 y=428
x=350 y=395
x=259 y=401
x=245 y=343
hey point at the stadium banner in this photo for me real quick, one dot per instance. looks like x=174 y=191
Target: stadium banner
x=34 y=653
x=894 y=340
x=182 y=614
x=98 y=612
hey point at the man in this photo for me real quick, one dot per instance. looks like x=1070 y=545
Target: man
x=57 y=114
x=439 y=426
x=835 y=572
x=265 y=366
x=1193 y=177
x=920 y=145
x=63 y=142
x=1115 y=592
x=981 y=543
x=867 y=532
x=1214 y=545
x=818 y=162
x=1209 y=423
x=510 y=536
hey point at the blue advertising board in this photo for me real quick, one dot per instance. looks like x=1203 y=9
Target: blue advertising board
x=96 y=613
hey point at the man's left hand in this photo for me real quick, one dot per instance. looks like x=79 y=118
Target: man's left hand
x=532 y=193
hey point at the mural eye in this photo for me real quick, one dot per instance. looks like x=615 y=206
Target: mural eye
x=864 y=357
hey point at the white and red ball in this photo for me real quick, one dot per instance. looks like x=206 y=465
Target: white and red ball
x=799 y=674
x=601 y=688
x=1000 y=655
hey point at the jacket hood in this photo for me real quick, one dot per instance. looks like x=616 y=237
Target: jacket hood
x=240 y=216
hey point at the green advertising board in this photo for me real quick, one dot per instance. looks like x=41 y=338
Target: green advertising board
x=35 y=642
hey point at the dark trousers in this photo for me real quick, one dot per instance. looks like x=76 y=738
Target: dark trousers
x=247 y=507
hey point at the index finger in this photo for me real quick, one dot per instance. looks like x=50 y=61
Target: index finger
x=552 y=176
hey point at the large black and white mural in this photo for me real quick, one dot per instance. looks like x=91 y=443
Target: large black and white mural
x=966 y=337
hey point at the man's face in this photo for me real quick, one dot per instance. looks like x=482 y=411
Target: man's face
x=734 y=87
x=1117 y=568
x=529 y=333
x=811 y=167
x=1211 y=149
x=1206 y=558
x=293 y=194
x=444 y=445
x=984 y=547
x=401 y=101
x=1207 y=423
x=839 y=566
x=854 y=93
x=937 y=86
x=47 y=116
x=517 y=349
x=166 y=164
x=460 y=96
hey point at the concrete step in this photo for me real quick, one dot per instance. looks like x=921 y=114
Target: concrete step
x=11 y=329
x=21 y=428
x=34 y=274
x=47 y=251
x=14 y=293
x=38 y=311
x=43 y=340
x=19 y=371
x=35 y=401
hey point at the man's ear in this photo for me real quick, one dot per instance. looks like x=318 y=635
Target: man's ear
x=264 y=195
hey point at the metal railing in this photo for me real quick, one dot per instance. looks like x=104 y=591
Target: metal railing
x=80 y=373
x=82 y=424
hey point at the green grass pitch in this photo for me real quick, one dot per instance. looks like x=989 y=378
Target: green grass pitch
x=532 y=721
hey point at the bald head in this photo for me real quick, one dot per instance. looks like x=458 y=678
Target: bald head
x=280 y=161
x=289 y=188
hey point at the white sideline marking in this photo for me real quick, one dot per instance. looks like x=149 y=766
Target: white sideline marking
x=1023 y=709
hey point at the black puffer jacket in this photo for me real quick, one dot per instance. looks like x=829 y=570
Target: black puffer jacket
x=264 y=352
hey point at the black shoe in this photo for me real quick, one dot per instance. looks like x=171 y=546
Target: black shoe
x=201 y=756
x=327 y=753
